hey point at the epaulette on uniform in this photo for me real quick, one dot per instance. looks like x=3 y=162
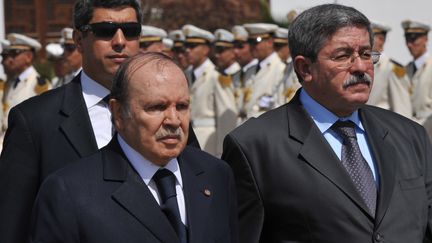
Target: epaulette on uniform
x=398 y=69
x=225 y=80
x=42 y=85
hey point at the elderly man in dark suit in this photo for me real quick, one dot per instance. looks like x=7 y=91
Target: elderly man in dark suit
x=146 y=185
x=47 y=132
x=325 y=167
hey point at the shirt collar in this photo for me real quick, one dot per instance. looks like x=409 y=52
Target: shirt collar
x=421 y=60
x=200 y=69
x=93 y=92
x=267 y=60
x=322 y=117
x=250 y=64
x=26 y=73
x=233 y=68
x=145 y=168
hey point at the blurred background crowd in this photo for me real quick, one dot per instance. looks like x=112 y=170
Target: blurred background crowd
x=234 y=54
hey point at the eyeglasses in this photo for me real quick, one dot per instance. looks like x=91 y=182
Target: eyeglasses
x=220 y=49
x=12 y=53
x=238 y=45
x=346 y=59
x=107 y=30
x=256 y=41
x=411 y=37
x=178 y=49
x=69 y=47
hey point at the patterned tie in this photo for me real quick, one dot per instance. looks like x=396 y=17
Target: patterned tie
x=355 y=164
x=165 y=183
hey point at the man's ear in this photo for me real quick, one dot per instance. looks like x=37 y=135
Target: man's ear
x=302 y=66
x=77 y=37
x=117 y=116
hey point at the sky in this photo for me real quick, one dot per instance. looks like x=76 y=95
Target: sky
x=389 y=12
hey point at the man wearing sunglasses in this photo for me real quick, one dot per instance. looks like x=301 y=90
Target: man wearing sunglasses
x=23 y=81
x=261 y=91
x=420 y=69
x=50 y=131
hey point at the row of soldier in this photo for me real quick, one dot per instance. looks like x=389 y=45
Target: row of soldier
x=233 y=75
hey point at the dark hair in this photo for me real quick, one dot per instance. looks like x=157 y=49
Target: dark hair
x=119 y=90
x=312 y=28
x=83 y=9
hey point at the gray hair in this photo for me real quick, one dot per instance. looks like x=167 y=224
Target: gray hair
x=119 y=90
x=312 y=28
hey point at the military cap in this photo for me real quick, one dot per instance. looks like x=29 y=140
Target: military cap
x=177 y=36
x=379 y=28
x=167 y=43
x=22 y=42
x=240 y=33
x=223 y=38
x=292 y=15
x=260 y=31
x=281 y=36
x=4 y=44
x=194 y=34
x=67 y=36
x=152 y=34
x=54 y=50
x=415 y=27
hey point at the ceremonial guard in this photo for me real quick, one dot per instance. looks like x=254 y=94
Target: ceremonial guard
x=420 y=69
x=261 y=91
x=23 y=81
x=211 y=100
x=390 y=89
x=151 y=38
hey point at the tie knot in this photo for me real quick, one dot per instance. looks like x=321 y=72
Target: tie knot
x=165 y=183
x=345 y=129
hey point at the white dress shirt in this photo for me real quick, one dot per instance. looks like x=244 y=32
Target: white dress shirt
x=146 y=169
x=100 y=115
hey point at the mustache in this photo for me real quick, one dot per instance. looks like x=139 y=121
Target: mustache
x=169 y=132
x=357 y=79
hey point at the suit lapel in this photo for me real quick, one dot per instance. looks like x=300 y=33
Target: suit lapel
x=197 y=203
x=134 y=196
x=76 y=125
x=378 y=137
x=318 y=153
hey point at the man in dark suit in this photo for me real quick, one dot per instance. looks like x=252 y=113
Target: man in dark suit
x=325 y=167
x=118 y=194
x=47 y=132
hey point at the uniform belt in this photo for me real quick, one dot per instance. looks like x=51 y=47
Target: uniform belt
x=205 y=122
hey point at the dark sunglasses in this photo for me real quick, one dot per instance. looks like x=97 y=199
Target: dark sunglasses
x=238 y=45
x=191 y=45
x=11 y=53
x=179 y=49
x=107 y=30
x=256 y=41
x=411 y=37
x=69 y=47
x=220 y=49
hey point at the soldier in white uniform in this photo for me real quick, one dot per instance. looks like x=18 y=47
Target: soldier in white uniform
x=23 y=81
x=151 y=38
x=391 y=85
x=261 y=91
x=69 y=63
x=211 y=100
x=420 y=69
x=289 y=83
x=178 y=49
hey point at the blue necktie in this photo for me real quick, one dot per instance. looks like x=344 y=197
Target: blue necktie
x=355 y=164
x=165 y=183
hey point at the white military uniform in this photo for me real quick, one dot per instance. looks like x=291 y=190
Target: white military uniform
x=390 y=88
x=261 y=91
x=422 y=91
x=288 y=85
x=212 y=107
x=28 y=84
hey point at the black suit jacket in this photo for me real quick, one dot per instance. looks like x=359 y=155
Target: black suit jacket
x=44 y=134
x=101 y=198
x=292 y=187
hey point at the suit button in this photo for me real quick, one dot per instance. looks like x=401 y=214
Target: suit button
x=379 y=237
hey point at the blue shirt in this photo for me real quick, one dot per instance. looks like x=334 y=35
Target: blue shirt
x=324 y=119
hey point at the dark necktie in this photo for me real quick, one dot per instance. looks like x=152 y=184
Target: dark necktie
x=165 y=183
x=16 y=81
x=355 y=164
